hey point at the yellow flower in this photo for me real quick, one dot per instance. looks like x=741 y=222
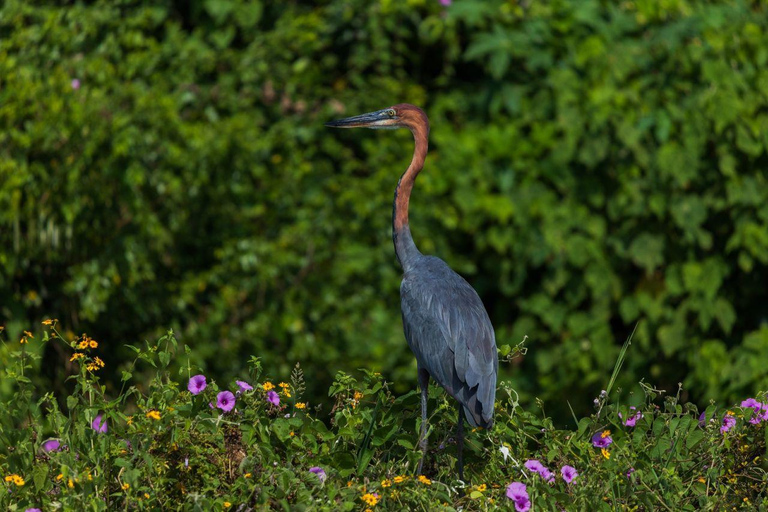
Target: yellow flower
x=284 y=385
x=2 y=328
x=425 y=480
x=291 y=434
x=268 y=386
x=286 y=393
x=702 y=480
x=400 y=479
x=482 y=487
x=146 y=495
x=60 y=476
x=155 y=415
x=301 y=405
x=358 y=396
x=98 y=361
x=227 y=504
x=82 y=345
x=605 y=453
x=23 y=340
x=70 y=483
x=386 y=483
x=93 y=343
x=605 y=434
x=48 y=321
x=247 y=475
x=126 y=486
x=29 y=334
x=76 y=355
x=130 y=420
x=370 y=499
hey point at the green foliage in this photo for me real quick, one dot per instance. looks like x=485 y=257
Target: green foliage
x=593 y=165
x=168 y=449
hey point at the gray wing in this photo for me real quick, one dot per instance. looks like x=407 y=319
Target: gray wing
x=448 y=329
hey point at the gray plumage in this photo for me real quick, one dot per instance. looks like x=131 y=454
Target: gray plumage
x=444 y=320
x=451 y=335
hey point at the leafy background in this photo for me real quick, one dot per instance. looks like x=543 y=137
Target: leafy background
x=593 y=165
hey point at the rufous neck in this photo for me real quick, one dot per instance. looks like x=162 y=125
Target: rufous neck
x=405 y=248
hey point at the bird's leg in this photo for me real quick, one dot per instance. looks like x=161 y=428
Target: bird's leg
x=423 y=384
x=460 y=441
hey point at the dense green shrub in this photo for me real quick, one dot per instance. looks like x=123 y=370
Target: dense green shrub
x=593 y=165
x=166 y=448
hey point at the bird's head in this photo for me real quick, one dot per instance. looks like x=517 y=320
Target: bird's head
x=403 y=115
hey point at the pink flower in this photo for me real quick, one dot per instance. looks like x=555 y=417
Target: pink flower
x=225 y=401
x=75 y=84
x=728 y=423
x=51 y=445
x=98 y=425
x=196 y=384
x=319 y=472
x=569 y=473
x=632 y=420
x=518 y=493
x=445 y=3
x=273 y=398
x=244 y=386
x=761 y=410
x=537 y=467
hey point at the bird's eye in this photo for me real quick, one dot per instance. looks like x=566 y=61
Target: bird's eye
x=391 y=112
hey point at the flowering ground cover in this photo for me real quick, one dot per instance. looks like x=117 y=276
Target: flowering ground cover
x=188 y=442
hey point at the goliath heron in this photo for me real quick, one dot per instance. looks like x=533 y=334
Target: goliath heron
x=444 y=320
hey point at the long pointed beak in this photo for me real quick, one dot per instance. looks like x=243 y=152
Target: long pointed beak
x=376 y=119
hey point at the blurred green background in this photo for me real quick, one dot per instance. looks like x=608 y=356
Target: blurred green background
x=593 y=164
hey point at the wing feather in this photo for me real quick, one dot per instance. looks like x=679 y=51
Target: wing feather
x=448 y=329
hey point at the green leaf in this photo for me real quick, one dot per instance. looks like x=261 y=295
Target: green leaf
x=40 y=476
x=647 y=251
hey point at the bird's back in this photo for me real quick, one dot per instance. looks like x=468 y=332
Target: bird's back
x=448 y=329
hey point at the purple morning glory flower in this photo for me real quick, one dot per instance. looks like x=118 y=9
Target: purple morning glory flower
x=761 y=410
x=196 y=384
x=703 y=419
x=273 y=398
x=51 y=445
x=98 y=425
x=445 y=3
x=33 y=510
x=569 y=473
x=728 y=423
x=225 y=401
x=518 y=493
x=629 y=473
x=244 y=386
x=602 y=439
x=632 y=420
x=537 y=467
x=534 y=465
x=319 y=472
x=75 y=83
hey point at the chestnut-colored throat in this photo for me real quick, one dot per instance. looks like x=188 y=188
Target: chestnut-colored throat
x=405 y=248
